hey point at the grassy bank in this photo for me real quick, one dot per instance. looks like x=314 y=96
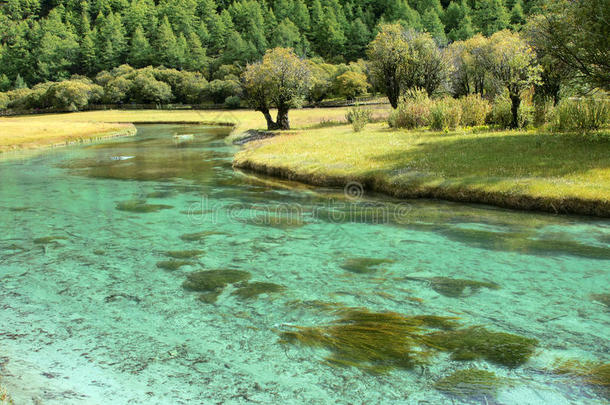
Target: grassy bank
x=523 y=170
x=33 y=131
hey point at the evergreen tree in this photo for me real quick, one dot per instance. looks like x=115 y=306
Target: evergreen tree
x=19 y=83
x=197 y=59
x=490 y=16
x=287 y=35
x=433 y=24
x=58 y=49
x=166 y=45
x=517 y=18
x=140 y=52
x=87 y=54
x=300 y=15
x=358 y=39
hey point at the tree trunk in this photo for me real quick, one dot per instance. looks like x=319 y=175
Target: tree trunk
x=516 y=102
x=393 y=91
x=282 y=121
x=271 y=125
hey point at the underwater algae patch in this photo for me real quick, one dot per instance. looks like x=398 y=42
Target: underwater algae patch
x=49 y=239
x=379 y=342
x=256 y=288
x=363 y=265
x=602 y=298
x=374 y=342
x=140 y=206
x=594 y=374
x=211 y=283
x=172 y=265
x=476 y=342
x=456 y=287
x=184 y=254
x=470 y=384
x=198 y=236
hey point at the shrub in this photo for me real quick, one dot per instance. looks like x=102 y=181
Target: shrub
x=581 y=115
x=445 y=114
x=147 y=89
x=219 y=90
x=25 y=99
x=358 y=117
x=233 y=102
x=117 y=90
x=412 y=112
x=4 y=100
x=474 y=110
x=72 y=94
x=351 y=84
x=501 y=114
x=525 y=114
x=544 y=111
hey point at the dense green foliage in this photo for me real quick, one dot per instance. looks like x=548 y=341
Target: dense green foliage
x=43 y=40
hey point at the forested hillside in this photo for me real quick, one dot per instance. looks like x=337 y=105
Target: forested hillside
x=51 y=40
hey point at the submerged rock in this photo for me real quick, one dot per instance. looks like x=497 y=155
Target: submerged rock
x=473 y=384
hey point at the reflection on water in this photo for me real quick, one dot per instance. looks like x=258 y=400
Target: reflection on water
x=147 y=270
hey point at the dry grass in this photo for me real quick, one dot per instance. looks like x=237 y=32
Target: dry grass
x=32 y=131
x=527 y=170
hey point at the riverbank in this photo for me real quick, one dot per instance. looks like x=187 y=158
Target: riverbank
x=36 y=131
x=512 y=169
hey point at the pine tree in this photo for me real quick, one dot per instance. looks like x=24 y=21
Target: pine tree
x=87 y=54
x=140 y=52
x=517 y=18
x=300 y=15
x=358 y=38
x=19 y=83
x=197 y=59
x=490 y=16
x=433 y=24
x=166 y=46
x=287 y=35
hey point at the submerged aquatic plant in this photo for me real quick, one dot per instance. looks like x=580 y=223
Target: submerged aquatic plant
x=172 y=264
x=213 y=280
x=140 y=206
x=602 y=298
x=477 y=342
x=184 y=254
x=375 y=342
x=363 y=265
x=197 y=236
x=594 y=374
x=455 y=287
x=48 y=239
x=473 y=384
x=210 y=297
x=256 y=288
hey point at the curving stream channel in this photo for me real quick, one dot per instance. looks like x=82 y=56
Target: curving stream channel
x=103 y=299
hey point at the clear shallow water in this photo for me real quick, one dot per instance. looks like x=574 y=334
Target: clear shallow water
x=88 y=317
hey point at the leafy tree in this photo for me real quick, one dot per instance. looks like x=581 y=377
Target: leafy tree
x=512 y=65
x=575 y=35
x=280 y=80
x=469 y=66
x=389 y=55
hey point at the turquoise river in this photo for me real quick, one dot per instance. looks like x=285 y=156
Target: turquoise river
x=103 y=299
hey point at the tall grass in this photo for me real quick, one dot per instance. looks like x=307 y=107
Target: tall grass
x=582 y=115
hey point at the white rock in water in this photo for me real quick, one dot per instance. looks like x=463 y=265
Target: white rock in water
x=121 y=157
x=183 y=137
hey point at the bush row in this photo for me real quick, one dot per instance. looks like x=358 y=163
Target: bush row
x=125 y=84
x=417 y=110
